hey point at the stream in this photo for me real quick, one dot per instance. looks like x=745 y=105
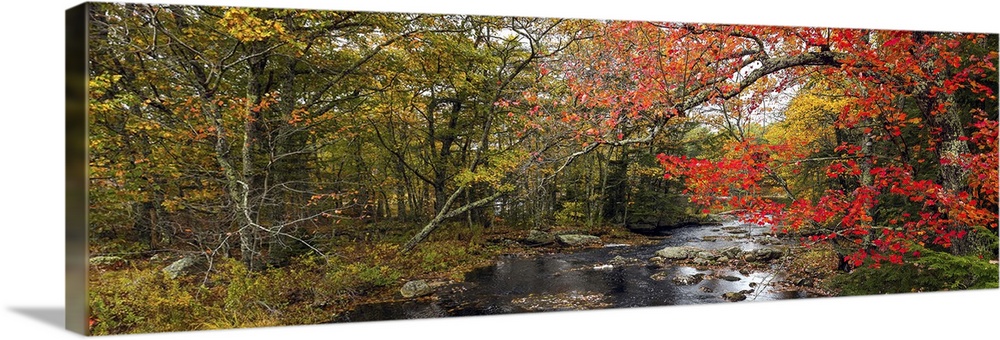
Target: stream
x=614 y=276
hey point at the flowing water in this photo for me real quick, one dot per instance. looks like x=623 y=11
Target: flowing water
x=611 y=277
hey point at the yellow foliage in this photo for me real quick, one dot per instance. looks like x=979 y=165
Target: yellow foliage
x=243 y=25
x=809 y=118
x=808 y=128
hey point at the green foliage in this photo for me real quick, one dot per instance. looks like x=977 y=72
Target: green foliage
x=443 y=258
x=365 y=275
x=572 y=213
x=982 y=242
x=142 y=301
x=932 y=271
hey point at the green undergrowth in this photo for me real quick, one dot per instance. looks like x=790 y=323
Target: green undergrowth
x=310 y=289
x=931 y=271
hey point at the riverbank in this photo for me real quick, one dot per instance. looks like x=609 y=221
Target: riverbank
x=699 y=264
x=131 y=296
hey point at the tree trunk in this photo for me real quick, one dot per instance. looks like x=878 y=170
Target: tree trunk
x=445 y=214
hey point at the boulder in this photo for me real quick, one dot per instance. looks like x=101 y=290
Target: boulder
x=729 y=278
x=416 y=288
x=185 y=266
x=619 y=261
x=656 y=262
x=687 y=279
x=659 y=276
x=734 y=296
x=706 y=255
x=763 y=255
x=731 y=252
x=577 y=239
x=536 y=237
x=677 y=253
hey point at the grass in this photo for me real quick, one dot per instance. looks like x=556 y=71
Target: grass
x=359 y=269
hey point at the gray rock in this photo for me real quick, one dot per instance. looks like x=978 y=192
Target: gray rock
x=677 y=253
x=723 y=259
x=619 y=260
x=729 y=278
x=734 y=296
x=768 y=240
x=536 y=236
x=732 y=252
x=659 y=276
x=687 y=279
x=185 y=266
x=701 y=261
x=416 y=288
x=764 y=255
x=706 y=255
x=577 y=239
x=107 y=261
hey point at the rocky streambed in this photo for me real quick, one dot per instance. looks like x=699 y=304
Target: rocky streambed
x=730 y=262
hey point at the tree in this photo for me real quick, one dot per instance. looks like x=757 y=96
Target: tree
x=237 y=99
x=905 y=123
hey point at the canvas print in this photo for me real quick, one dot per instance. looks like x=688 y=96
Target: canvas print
x=250 y=167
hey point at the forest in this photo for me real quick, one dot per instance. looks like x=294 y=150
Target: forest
x=259 y=167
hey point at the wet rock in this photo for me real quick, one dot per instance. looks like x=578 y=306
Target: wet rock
x=619 y=260
x=723 y=259
x=731 y=252
x=687 y=279
x=656 y=262
x=538 y=237
x=706 y=255
x=185 y=266
x=764 y=255
x=660 y=276
x=706 y=289
x=736 y=230
x=416 y=288
x=577 y=239
x=677 y=253
x=769 y=240
x=700 y=261
x=753 y=284
x=745 y=271
x=734 y=296
x=729 y=278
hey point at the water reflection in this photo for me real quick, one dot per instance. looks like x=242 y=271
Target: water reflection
x=592 y=279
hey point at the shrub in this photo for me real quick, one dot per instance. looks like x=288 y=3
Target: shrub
x=142 y=301
x=932 y=271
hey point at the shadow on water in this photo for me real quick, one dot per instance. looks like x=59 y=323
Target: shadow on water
x=610 y=277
